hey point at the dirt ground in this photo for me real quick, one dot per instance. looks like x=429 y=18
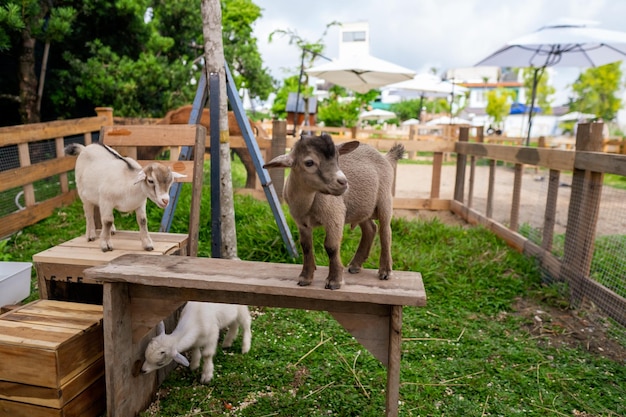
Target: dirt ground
x=413 y=181
x=585 y=328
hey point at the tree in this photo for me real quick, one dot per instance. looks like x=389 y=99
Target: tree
x=408 y=109
x=543 y=92
x=22 y=24
x=214 y=59
x=309 y=52
x=499 y=104
x=595 y=91
x=115 y=57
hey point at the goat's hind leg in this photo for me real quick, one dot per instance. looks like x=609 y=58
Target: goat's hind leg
x=368 y=232
x=89 y=210
x=384 y=268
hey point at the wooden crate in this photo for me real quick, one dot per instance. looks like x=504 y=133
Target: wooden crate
x=52 y=360
x=60 y=268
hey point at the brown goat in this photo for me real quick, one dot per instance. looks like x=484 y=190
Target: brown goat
x=332 y=185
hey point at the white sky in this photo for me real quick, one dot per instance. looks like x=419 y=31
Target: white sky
x=422 y=34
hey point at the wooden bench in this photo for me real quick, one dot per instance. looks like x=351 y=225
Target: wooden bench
x=140 y=290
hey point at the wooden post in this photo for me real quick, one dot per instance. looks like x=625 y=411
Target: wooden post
x=393 y=365
x=517 y=191
x=412 y=136
x=480 y=137
x=461 y=162
x=550 y=213
x=105 y=112
x=491 y=188
x=279 y=143
x=583 y=214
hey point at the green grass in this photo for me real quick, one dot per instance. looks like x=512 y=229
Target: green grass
x=465 y=354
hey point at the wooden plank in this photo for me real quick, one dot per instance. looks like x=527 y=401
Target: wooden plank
x=247 y=277
x=55 y=397
x=31 y=173
x=550 y=158
x=601 y=162
x=150 y=135
x=370 y=330
x=31 y=215
x=491 y=189
x=90 y=254
x=13 y=135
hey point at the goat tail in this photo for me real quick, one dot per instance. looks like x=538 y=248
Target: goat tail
x=395 y=153
x=74 y=149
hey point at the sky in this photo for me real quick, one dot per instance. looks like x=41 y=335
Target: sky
x=425 y=34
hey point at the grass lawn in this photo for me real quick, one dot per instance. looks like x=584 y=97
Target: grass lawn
x=492 y=341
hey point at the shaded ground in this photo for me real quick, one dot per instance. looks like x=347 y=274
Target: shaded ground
x=585 y=328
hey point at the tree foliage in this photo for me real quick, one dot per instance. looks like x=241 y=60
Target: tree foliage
x=499 y=104
x=115 y=57
x=543 y=92
x=595 y=91
x=408 y=109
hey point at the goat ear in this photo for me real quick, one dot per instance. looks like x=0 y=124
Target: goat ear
x=141 y=176
x=160 y=328
x=179 y=358
x=177 y=175
x=282 y=161
x=347 y=147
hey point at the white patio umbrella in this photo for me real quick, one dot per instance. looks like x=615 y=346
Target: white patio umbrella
x=376 y=114
x=425 y=85
x=576 y=116
x=565 y=43
x=361 y=73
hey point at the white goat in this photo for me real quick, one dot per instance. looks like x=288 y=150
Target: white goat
x=110 y=181
x=198 y=329
x=331 y=185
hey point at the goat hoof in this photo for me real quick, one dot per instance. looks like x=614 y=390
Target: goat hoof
x=149 y=248
x=334 y=286
x=353 y=269
x=304 y=282
x=383 y=276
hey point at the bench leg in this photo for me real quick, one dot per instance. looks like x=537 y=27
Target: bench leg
x=393 y=366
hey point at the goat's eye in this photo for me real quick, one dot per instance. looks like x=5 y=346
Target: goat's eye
x=309 y=163
x=150 y=181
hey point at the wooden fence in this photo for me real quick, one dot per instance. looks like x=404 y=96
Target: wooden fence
x=26 y=138
x=588 y=165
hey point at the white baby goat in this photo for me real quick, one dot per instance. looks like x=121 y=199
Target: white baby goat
x=110 y=181
x=198 y=329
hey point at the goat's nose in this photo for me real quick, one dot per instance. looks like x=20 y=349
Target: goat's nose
x=342 y=180
x=165 y=201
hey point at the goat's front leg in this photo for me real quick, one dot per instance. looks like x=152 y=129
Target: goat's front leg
x=384 y=268
x=332 y=244
x=106 y=217
x=308 y=256
x=208 y=351
x=142 y=221
x=368 y=232
x=89 y=210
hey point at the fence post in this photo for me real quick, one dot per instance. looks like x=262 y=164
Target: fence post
x=582 y=215
x=279 y=145
x=480 y=138
x=461 y=163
